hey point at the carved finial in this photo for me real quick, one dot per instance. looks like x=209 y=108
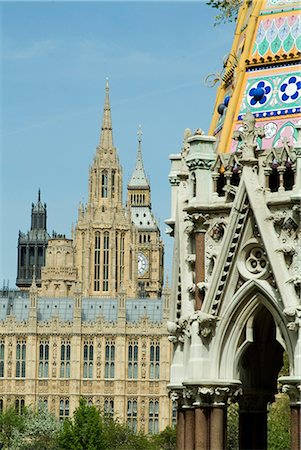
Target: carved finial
x=33 y=286
x=248 y=135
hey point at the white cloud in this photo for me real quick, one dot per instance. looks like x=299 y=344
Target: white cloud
x=37 y=49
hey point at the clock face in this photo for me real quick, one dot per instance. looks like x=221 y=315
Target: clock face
x=142 y=264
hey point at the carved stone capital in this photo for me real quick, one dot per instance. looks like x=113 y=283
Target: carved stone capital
x=294 y=317
x=199 y=163
x=293 y=391
x=200 y=221
x=206 y=323
x=214 y=395
x=174 y=180
x=179 y=329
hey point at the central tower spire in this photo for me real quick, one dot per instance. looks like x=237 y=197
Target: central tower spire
x=106 y=136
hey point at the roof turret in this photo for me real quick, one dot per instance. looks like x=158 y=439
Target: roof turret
x=139 y=178
x=39 y=207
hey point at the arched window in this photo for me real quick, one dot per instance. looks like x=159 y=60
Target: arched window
x=43 y=359
x=154 y=368
x=110 y=360
x=274 y=178
x=288 y=176
x=193 y=181
x=121 y=258
x=153 y=417
x=88 y=359
x=133 y=360
x=132 y=411
x=109 y=407
x=235 y=178
x=104 y=184
x=21 y=359
x=19 y=405
x=96 y=261
x=65 y=359
x=2 y=359
x=113 y=183
x=106 y=249
x=64 y=408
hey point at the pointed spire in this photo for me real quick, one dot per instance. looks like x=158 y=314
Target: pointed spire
x=33 y=286
x=39 y=195
x=106 y=136
x=139 y=178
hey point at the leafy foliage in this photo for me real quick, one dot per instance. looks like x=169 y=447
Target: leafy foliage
x=29 y=431
x=232 y=427
x=228 y=9
x=279 y=424
x=166 y=440
x=91 y=430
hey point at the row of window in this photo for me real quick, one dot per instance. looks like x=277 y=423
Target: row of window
x=105 y=184
x=138 y=199
x=102 y=260
x=88 y=360
x=131 y=417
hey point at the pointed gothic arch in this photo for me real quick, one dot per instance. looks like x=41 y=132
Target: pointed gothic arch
x=253 y=295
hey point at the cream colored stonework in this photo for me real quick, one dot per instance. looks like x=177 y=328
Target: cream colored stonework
x=91 y=297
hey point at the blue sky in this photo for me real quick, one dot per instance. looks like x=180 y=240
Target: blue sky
x=55 y=57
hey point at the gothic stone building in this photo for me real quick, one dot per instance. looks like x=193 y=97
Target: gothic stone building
x=235 y=219
x=93 y=321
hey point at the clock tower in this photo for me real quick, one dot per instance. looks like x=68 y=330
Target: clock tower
x=149 y=246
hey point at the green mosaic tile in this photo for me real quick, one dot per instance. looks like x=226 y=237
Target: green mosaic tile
x=276 y=44
x=298 y=43
x=288 y=43
x=263 y=47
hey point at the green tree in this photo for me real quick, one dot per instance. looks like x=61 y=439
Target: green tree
x=166 y=440
x=29 y=431
x=84 y=431
x=228 y=9
x=40 y=430
x=11 y=425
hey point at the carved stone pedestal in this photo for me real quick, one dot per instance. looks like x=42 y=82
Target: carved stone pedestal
x=202 y=417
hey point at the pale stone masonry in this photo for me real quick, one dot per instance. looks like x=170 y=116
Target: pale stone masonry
x=94 y=324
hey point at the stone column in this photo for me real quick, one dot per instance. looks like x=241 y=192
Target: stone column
x=218 y=427
x=180 y=430
x=210 y=416
x=201 y=415
x=294 y=392
x=189 y=429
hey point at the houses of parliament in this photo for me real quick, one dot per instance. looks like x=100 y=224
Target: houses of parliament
x=89 y=318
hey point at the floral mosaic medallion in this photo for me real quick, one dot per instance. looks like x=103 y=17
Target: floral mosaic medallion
x=290 y=89
x=270 y=129
x=259 y=93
